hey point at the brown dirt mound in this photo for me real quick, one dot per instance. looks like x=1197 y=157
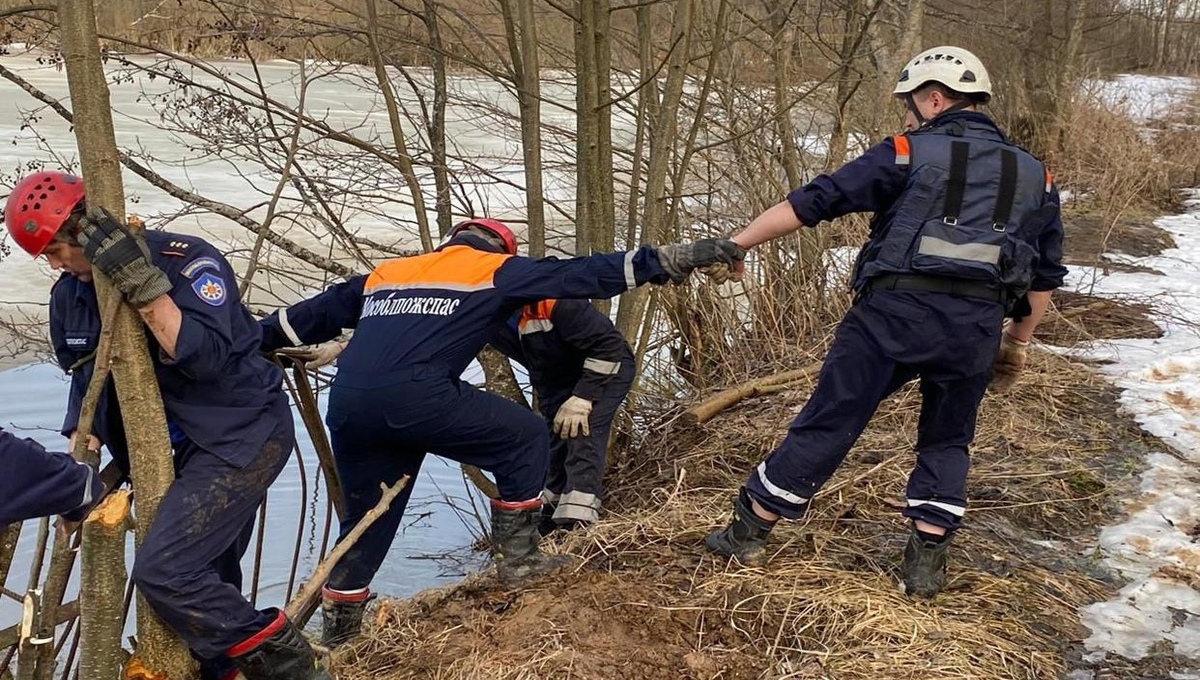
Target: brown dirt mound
x=1089 y=237
x=1078 y=317
x=647 y=602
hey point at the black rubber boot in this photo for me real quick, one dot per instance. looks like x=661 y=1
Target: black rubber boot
x=746 y=535
x=515 y=541
x=546 y=524
x=342 y=615
x=279 y=652
x=924 y=567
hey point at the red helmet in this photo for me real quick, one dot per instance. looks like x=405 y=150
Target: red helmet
x=494 y=226
x=39 y=206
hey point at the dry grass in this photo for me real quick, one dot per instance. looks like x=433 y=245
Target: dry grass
x=646 y=601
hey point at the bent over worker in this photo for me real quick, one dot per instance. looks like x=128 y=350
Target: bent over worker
x=966 y=226
x=419 y=321
x=581 y=369
x=231 y=423
x=37 y=482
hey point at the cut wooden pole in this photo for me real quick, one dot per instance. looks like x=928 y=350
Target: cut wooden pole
x=102 y=588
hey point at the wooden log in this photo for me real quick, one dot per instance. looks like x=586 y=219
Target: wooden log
x=102 y=588
x=710 y=407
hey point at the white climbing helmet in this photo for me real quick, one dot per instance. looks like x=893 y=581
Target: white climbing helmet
x=953 y=67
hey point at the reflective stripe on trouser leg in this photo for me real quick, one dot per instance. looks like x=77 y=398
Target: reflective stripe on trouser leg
x=774 y=497
x=937 y=485
x=579 y=506
x=856 y=376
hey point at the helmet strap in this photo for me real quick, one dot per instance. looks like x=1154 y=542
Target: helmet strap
x=911 y=104
x=922 y=121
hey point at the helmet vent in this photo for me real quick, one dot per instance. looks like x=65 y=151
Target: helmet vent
x=967 y=77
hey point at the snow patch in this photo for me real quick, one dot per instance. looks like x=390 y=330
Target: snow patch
x=1153 y=547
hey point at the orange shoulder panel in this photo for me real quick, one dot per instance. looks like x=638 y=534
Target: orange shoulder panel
x=903 y=149
x=537 y=310
x=455 y=268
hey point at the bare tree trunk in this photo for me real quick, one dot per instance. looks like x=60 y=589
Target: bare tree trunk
x=102 y=588
x=895 y=38
x=8 y=547
x=393 y=109
x=647 y=109
x=603 y=231
x=162 y=653
x=522 y=35
x=663 y=136
x=437 y=129
x=586 y=130
x=782 y=36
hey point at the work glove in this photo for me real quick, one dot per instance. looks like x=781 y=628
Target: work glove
x=572 y=418
x=123 y=256
x=316 y=356
x=680 y=259
x=1010 y=361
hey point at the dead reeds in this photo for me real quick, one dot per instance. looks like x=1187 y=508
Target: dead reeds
x=646 y=601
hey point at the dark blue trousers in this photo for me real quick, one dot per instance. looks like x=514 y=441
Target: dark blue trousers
x=887 y=339
x=380 y=434
x=575 y=478
x=188 y=567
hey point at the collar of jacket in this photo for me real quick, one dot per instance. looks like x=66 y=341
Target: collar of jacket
x=977 y=117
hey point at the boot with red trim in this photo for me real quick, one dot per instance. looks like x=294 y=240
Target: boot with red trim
x=278 y=652
x=342 y=614
x=515 y=541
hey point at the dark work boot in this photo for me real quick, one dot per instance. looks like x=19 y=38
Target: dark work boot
x=746 y=535
x=278 y=652
x=546 y=524
x=342 y=615
x=924 y=567
x=515 y=541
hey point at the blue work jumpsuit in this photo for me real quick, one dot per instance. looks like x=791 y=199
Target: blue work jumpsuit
x=888 y=338
x=571 y=349
x=419 y=322
x=231 y=431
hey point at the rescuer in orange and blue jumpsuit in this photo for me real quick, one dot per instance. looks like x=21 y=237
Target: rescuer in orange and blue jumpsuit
x=419 y=322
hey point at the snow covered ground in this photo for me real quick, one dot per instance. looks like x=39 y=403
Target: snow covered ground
x=1154 y=546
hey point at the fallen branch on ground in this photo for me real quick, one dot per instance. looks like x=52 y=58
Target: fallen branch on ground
x=303 y=604
x=705 y=410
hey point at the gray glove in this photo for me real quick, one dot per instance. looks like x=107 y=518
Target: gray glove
x=679 y=259
x=123 y=256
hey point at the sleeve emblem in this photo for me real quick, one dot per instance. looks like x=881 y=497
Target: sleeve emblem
x=210 y=288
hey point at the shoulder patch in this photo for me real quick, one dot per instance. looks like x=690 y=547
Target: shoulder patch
x=200 y=264
x=211 y=289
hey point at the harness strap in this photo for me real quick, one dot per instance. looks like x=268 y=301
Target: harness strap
x=1007 y=193
x=959 y=153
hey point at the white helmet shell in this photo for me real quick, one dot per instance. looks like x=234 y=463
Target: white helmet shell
x=953 y=67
